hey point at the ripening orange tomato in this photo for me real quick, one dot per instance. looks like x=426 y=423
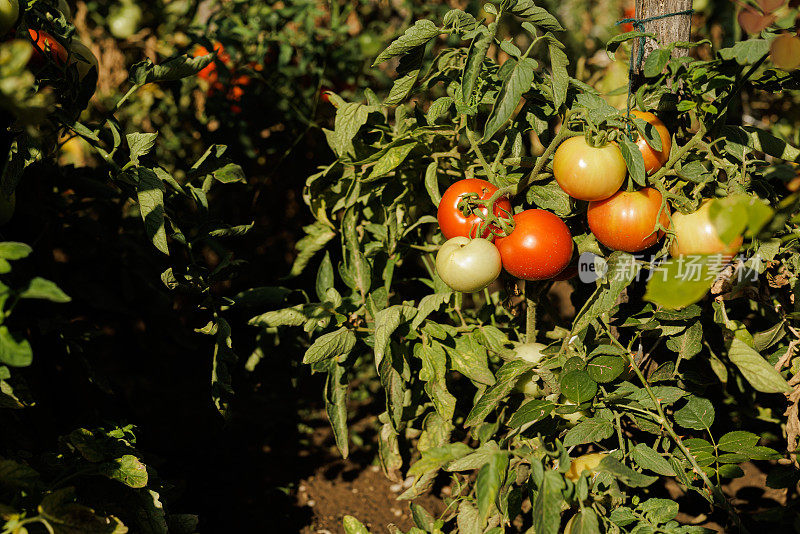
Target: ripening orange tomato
x=653 y=160
x=209 y=73
x=586 y=172
x=626 y=221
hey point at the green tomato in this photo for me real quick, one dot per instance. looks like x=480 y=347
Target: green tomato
x=7 y=205
x=124 y=20
x=9 y=13
x=528 y=382
x=468 y=265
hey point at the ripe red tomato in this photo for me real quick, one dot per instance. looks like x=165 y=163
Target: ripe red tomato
x=653 y=160
x=209 y=73
x=696 y=234
x=540 y=247
x=452 y=220
x=586 y=172
x=628 y=13
x=45 y=44
x=627 y=220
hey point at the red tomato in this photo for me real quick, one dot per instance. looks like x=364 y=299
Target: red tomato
x=627 y=220
x=628 y=13
x=653 y=160
x=452 y=220
x=209 y=73
x=540 y=247
x=696 y=234
x=45 y=44
x=586 y=172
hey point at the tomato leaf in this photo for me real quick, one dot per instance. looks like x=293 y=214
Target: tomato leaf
x=506 y=378
x=697 y=414
x=508 y=98
x=646 y=458
x=625 y=474
x=756 y=370
x=578 y=386
x=414 y=37
x=590 y=430
x=530 y=412
x=634 y=160
x=679 y=282
x=547 y=506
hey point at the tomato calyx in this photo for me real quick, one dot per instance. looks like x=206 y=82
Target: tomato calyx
x=491 y=225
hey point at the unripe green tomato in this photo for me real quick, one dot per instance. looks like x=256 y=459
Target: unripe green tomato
x=9 y=13
x=468 y=265
x=528 y=382
x=124 y=20
x=573 y=418
x=7 y=205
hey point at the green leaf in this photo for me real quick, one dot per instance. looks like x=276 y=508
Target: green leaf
x=140 y=144
x=634 y=160
x=656 y=62
x=625 y=474
x=438 y=457
x=432 y=183
x=128 y=469
x=737 y=440
x=547 y=505
x=605 y=368
x=585 y=522
x=468 y=520
x=16 y=475
x=330 y=345
x=318 y=235
x=408 y=72
x=325 y=277
x=659 y=510
x=530 y=412
x=559 y=77
x=429 y=304
x=487 y=485
x=477 y=53
x=392 y=159
x=689 y=343
x=422 y=518
x=150 y=193
x=438 y=108
x=578 y=386
x=417 y=35
x=591 y=430
x=527 y=10
x=761 y=141
x=509 y=97
x=223 y=361
x=646 y=458
x=171 y=70
x=506 y=379
x=11 y=250
x=386 y=322
x=14 y=352
x=39 y=288
x=697 y=414
x=550 y=197
x=353 y=526
x=746 y=52
x=336 y=407
x=679 y=282
x=756 y=370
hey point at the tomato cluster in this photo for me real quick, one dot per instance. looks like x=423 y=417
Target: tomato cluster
x=539 y=247
x=535 y=244
x=235 y=80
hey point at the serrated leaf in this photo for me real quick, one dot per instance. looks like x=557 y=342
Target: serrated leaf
x=756 y=370
x=530 y=412
x=527 y=10
x=737 y=440
x=418 y=35
x=506 y=378
x=14 y=352
x=336 y=407
x=509 y=97
x=432 y=183
x=559 y=77
x=625 y=474
x=592 y=430
x=386 y=322
x=150 y=194
x=39 y=288
x=128 y=469
x=330 y=345
x=477 y=53
x=578 y=386
x=605 y=368
x=634 y=160
x=427 y=305
x=689 y=343
x=646 y=458
x=697 y=414
x=547 y=505
x=487 y=485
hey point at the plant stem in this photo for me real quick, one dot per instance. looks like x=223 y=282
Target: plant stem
x=531 y=299
x=680 y=153
x=474 y=142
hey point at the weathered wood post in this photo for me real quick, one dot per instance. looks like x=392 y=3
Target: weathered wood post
x=668 y=29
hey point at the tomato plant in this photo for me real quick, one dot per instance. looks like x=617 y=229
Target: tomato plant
x=587 y=172
x=539 y=247
x=468 y=265
x=627 y=220
x=452 y=220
